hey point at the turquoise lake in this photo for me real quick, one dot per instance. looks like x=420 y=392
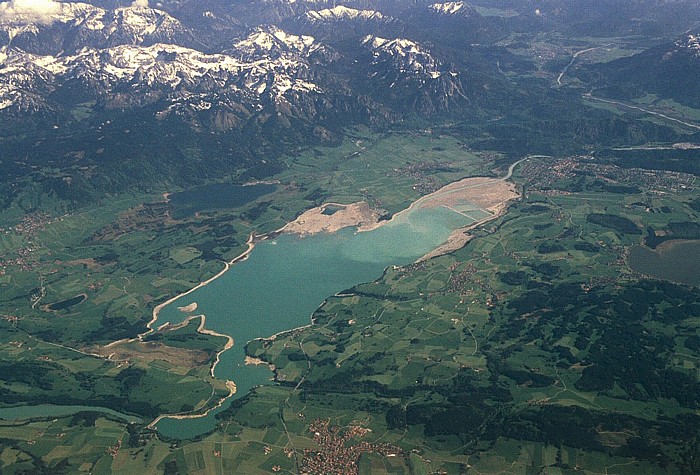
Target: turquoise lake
x=285 y=279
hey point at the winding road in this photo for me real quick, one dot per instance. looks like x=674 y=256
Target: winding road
x=511 y=168
x=573 y=60
x=630 y=106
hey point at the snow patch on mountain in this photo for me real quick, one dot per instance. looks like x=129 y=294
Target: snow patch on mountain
x=270 y=41
x=407 y=56
x=450 y=8
x=77 y=12
x=341 y=12
x=397 y=46
x=692 y=43
x=142 y=19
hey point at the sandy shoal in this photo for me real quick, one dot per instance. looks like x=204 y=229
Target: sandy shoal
x=314 y=221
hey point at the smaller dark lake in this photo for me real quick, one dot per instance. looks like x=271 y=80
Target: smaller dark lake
x=330 y=210
x=216 y=196
x=66 y=304
x=677 y=261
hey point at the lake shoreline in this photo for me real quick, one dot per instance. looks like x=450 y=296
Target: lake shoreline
x=252 y=239
x=360 y=216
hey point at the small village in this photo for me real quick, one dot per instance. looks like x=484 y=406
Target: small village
x=335 y=454
x=545 y=173
x=420 y=172
x=27 y=228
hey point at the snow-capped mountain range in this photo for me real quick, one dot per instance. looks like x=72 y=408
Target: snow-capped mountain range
x=139 y=56
x=80 y=25
x=298 y=59
x=162 y=70
x=134 y=87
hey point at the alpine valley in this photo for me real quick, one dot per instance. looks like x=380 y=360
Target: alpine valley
x=167 y=169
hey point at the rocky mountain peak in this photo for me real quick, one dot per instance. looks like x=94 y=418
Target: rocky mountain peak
x=272 y=42
x=342 y=12
x=691 y=44
x=451 y=8
x=407 y=55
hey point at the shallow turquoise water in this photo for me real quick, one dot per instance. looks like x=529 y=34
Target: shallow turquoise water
x=285 y=280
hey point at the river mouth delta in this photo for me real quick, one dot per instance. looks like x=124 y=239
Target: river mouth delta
x=263 y=294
